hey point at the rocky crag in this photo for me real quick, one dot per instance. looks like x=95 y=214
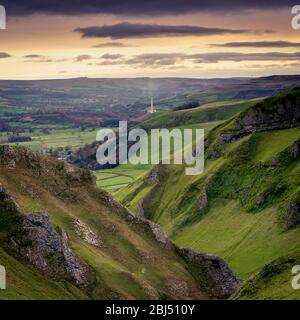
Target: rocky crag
x=274 y=113
x=48 y=250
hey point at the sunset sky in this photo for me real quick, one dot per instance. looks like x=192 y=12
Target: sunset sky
x=123 y=38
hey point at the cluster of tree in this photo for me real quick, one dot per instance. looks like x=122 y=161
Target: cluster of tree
x=14 y=138
x=46 y=131
x=111 y=123
x=187 y=105
x=4 y=127
x=59 y=153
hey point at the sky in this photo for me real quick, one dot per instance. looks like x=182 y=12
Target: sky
x=130 y=38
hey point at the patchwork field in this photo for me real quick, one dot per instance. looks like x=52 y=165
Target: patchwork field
x=113 y=180
x=57 y=138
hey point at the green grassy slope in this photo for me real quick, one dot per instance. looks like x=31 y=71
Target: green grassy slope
x=205 y=117
x=272 y=282
x=249 y=187
x=210 y=112
x=116 y=179
x=57 y=138
x=112 y=180
x=130 y=265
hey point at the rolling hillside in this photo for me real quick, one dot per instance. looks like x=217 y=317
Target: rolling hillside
x=63 y=238
x=245 y=206
x=206 y=117
x=206 y=113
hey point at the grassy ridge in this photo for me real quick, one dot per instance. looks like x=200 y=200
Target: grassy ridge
x=210 y=112
x=248 y=198
x=130 y=265
x=115 y=179
x=273 y=282
x=229 y=227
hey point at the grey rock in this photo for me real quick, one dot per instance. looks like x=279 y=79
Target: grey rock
x=284 y=114
x=259 y=201
x=140 y=210
x=292 y=217
x=8 y=152
x=232 y=136
x=202 y=201
x=49 y=251
x=7 y=202
x=153 y=177
x=117 y=207
x=212 y=273
x=214 y=154
x=275 y=161
x=264 y=116
x=8 y=156
x=177 y=287
x=294 y=152
x=87 y=234
x=159 y=235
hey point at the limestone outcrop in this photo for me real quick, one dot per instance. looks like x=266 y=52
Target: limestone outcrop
x=202 y=202
x=292 y=216
x=48 y=250
x=212 y=273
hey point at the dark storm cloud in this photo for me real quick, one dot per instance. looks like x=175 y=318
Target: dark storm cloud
x=137 y=30
x=113 y=45
x=259 y=44
x=136 y=7
x=4 y=55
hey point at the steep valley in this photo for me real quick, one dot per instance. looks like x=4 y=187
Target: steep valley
x=64 y=238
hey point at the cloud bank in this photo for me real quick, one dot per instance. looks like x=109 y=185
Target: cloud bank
x=137 y=30
x=137 y=7
x=259 y=44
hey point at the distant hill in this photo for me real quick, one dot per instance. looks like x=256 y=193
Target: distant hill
x=88 y=102
x=209 y=115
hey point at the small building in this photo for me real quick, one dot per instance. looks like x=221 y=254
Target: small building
x=151 y=109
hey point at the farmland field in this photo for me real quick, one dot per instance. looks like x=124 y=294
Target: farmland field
x=57 y=138
x=113 y=180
